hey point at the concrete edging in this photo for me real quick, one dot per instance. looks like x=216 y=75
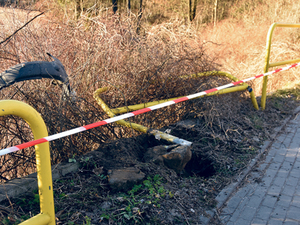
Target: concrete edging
x=18 y=186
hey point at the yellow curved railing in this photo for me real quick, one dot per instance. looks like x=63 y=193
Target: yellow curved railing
x=138 y=127
x=269 y=65
x=43 y=163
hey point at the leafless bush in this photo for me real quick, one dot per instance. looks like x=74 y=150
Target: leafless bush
x=107 y=52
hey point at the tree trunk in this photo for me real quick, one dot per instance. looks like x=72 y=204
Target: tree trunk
x=192 y=10
x=129 y=7
x=215 y=12
x=115 y=6
x=139 y=17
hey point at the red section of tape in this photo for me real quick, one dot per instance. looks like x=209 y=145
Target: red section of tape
x=181 y=99
x=278 y=70
x=31 y=143
x=93 y=125
x=237 y=82
x=294 y=65
x=141 y=111
x=258 y=76
x=211 y=90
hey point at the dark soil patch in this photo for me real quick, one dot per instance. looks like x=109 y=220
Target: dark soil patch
x=221 y=150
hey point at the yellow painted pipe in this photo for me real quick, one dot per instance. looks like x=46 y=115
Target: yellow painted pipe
x=109 y=112
x=161 y=135
x=283 y=63
x=131 y=108
x=40 y=219
x=241 y=87
x=253 y=100
x=43 y=163
x=228 y=90
x=212 y=73
x=267 y=59
x=158 y=134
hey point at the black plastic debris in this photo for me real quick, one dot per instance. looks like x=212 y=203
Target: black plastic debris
x=36 y=70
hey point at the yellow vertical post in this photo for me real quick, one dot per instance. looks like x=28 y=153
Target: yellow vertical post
x=43 y=163
x=266 y=69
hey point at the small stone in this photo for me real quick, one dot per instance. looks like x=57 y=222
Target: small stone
x=105 y=205
x=135 y=209
x=124 y=179
x=98 y=171
x=255 y=139
x=187 y=124
x=174 y=213
x=120 y=199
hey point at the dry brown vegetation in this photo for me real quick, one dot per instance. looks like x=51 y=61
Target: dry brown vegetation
x=99 y=49
x=241 y=40
x=99 y=52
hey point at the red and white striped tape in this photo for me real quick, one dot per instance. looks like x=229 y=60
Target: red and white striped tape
x=134 y=113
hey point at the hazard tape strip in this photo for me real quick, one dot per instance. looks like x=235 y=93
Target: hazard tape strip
x=134 y=113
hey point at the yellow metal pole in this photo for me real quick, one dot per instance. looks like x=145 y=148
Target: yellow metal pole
x=40 y=219
x=266 y=68
x=253 y=99
x=113 y=112
x=43 y=163
x=267 y=59
x=136 y=126
x=131 y=108
x=284 y=62
x=108 y=111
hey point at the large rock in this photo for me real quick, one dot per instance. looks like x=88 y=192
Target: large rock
x=125 y=178
x=178 y=157
x=155 y=154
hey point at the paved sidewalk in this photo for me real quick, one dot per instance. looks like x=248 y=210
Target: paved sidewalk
x=271 y=191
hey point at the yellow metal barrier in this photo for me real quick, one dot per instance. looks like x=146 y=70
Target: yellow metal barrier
x=43 y=164
x=138 y=127
x=131 y=108
x=241 y=87
x=267 y=60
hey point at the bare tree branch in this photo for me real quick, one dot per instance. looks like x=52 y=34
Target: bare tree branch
x=8 y=38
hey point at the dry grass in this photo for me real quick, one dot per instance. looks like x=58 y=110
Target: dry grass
x=242 y=37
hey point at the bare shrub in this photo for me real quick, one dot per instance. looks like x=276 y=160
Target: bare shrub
x=106 y=52
x=100 y=50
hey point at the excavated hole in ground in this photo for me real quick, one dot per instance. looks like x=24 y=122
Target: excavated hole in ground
x=130 y=152
x=200 y=166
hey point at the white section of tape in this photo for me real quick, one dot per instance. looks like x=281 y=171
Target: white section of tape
x=9 y=150
x=65 y=133
x=161 y=105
